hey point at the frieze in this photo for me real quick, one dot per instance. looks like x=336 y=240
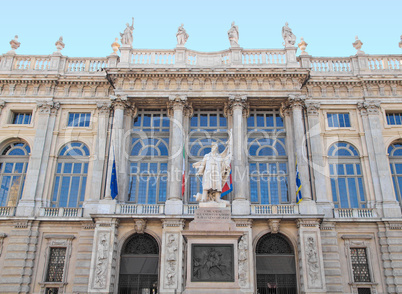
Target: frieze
x=313 y=266
x=102 y=254
x=173 y=223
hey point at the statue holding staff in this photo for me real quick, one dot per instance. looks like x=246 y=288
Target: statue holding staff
x=127 y=35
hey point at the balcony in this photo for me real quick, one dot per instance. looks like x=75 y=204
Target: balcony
x=60 y=212
x=7 y=211
x=140 y=209
x=354 y=213
x=285 y=209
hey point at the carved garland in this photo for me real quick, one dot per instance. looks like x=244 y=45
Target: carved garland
x=243 y=261
x=171 y=260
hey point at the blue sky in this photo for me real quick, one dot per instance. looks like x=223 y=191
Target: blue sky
x=89 y=27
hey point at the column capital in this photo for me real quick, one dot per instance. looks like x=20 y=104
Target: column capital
x=104 y=108
x=296 y=101
x=369 y=107
x=312 y=223
x=313 y=108
x=48 y=107
x=239 y=102
x=119 y=102
x=179 y=102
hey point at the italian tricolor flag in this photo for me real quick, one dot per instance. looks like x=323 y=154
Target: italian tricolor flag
x=183 y=175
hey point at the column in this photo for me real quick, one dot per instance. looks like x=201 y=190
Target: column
x=296 y=104
x=311 y=264
x=99 y=156
x=381 y=174
x=34 y=182
x=116 y=152
x=238 y=108
x=172 y=257
x=174 y=202
x=324 y=205
x=102 y=274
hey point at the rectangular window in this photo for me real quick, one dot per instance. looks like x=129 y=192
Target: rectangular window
x=360 y=265
x=394 y=118
x=79 y=119
x=151 y=120
x=363 y=291
x=210 y=120
x=338 y=120
x=22 y=118
x=57 y=257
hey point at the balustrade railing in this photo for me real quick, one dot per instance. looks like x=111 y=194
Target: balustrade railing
x=354 y=212
x=262 y=209
x=190 y=208
x=77 y=65
x=378 y=63
x=61 y=211
x=264 y=57
x=7 y=211
x=140 y=208
x=331 y=65
x=38 y=63
x=153 y=57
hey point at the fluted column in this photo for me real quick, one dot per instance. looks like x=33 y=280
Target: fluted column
x=296 y=104
x=324 y=205
x=174 y=203
x=381 y=174
x=99 y=156
x=238 y=107
x=39 y=158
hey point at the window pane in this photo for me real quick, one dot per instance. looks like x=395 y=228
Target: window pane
x=75 y=184
x=56 y=265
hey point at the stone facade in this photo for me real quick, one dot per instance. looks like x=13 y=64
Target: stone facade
x=78 y=120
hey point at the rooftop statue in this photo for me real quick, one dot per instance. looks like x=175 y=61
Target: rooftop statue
x=14 y=43
x=182 y=36
x=288 y=36
x=233 y=35
x=215 y=170
x=59 y=44
x=127 y=35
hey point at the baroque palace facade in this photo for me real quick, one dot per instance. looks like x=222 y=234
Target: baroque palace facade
x=145 y=116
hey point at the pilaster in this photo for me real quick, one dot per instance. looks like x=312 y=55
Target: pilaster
x=312 y=276
x=238 y=108
x=102 y=275
x=172 y=257
x=34 y=182
x=381 y=176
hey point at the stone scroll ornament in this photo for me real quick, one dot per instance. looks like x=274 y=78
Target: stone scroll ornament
x=101 y=261
x=313 y=267
x=171 y=261
x=243 y=261
x=215 y=170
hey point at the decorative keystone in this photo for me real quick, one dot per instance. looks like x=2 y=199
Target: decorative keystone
x=302 y=45
x=358 y=45
x=59 y=44
x=115 y=46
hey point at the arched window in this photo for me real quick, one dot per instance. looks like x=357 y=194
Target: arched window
x=71 y=176
x=346 y=176
x=13 y=167
x=275 y=263
x=148 y=170
x=395 y=162
x=139 y=265
x=267 y=157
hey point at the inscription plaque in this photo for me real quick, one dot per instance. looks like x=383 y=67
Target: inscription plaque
x=212 y=263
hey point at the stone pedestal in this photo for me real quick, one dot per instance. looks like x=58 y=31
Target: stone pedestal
x=212 y=251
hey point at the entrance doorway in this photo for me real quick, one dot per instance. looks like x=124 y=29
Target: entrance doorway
x=276 y=269
x=139 y=265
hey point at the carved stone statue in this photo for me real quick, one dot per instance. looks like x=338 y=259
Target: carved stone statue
x=181 y=36
x=288 y=36
x=127 y=35
x=215 y=169
x=233 y=35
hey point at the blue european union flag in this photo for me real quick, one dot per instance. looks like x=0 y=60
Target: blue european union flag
x=113 y=181
x=299 y=196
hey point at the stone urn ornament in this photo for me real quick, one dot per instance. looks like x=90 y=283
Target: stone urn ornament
x=400 y=43
x=14 y=44
x=302 y=45
x=358 y=45
x=115 y=46
x=59 y=44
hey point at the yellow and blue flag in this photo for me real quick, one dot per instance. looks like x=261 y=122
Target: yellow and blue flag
x=113 y=181
x=299 y=196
